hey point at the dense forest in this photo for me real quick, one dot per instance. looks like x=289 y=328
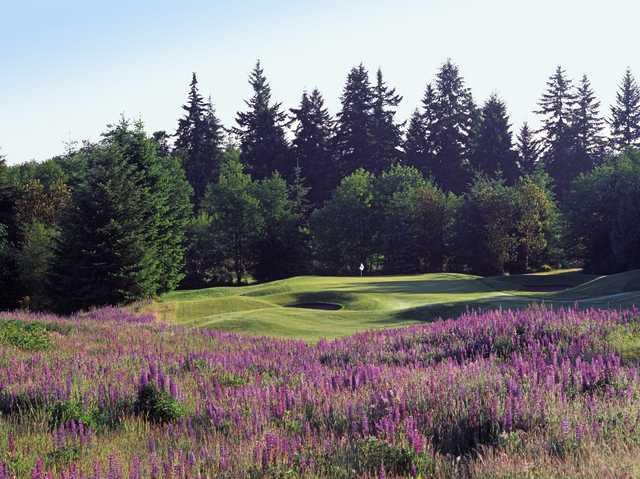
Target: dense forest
x=299 y=191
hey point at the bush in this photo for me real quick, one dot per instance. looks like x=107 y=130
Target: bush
x=63 y=412
x=158 y=405
x=25 y=336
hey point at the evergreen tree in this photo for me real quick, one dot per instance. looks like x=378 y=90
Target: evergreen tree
x=281 y=246
x=161 y=138
x=451 y=131
x=343 y=230
x=199 y=141
x=493 y=152
x=625 y=115
x=354 y=140
x=312 y=145
x=587 y=127
x=123 y=237
x=558 y=143
x=263 y=146
x=236 y=219
x=104 y=256
x=419 y=150
x=415 y=141
x=9 y=288
x=398 y=195
x=173 y=216
x=385 y=133
x=485 y=236
x=528 y=150
x=166 y=200
x=299 y=192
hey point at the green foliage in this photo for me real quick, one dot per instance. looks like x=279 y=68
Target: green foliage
x=486 y=242
x=372 y=455
x=236 y=219
x=344 y=229
x=26 y=336
x=537 y=226
x=602 y=210
x=199 y=142
x=625 y=340
x=33 y=262
x=625 y=115
x=506 y=229
x=263 y=145
x=158 y=405
x=229 y=379
x=123 y=238
x=451 y=118
x=414 y=220
x=281 y=246
x=8 y=285
x=353 y=142
x=493 y=153
x=206 y=263
x=63 y=456
x=312 y=145
x=63 y=412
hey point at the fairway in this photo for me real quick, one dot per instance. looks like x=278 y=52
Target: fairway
x=314 y=307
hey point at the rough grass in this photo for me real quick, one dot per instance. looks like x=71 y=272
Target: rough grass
x=384 y=301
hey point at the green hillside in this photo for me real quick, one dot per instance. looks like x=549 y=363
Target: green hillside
x=312 y=307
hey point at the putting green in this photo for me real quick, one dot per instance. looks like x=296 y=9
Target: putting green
x=314 y=307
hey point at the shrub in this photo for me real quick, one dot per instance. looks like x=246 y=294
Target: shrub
x=25 y=336
x=96 y=418
x=157 y=404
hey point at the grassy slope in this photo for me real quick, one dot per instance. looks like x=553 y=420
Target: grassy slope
x=383 y=301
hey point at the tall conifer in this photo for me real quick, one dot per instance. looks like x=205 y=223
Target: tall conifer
x=493 y=152
x=625 y=115
x=587 y=127
x=312 y=145
x=451 y=133
x=528 y=150
x=558 y=140
x=199 y=141
x=354 y=140
x=385 y=132
x=263 y=146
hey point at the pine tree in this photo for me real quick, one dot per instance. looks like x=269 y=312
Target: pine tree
x=451 y=132
x=263 y=146
x=528 y=150
x=587 y=125
x=386 y=134
x=418 y=146
x=493 y=152
x=312 y=145
x=353 y=140
x=281 y=247
x=199 y=141
x=558 y=142
x=236 y=219
x=299 y=192
x=104 y=256
x=123 y=237
x=625 y=115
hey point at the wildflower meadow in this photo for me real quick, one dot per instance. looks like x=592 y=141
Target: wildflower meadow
x=110 y=394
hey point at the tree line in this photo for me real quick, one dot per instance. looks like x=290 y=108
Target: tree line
x=295 y=192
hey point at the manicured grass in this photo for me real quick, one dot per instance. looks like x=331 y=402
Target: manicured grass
x=383 y=301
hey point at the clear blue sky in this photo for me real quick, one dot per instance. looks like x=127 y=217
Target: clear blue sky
x=67 y=68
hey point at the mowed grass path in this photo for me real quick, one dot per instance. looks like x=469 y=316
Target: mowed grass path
x=271 y=309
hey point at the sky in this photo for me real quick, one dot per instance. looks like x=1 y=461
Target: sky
x=68 y=68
